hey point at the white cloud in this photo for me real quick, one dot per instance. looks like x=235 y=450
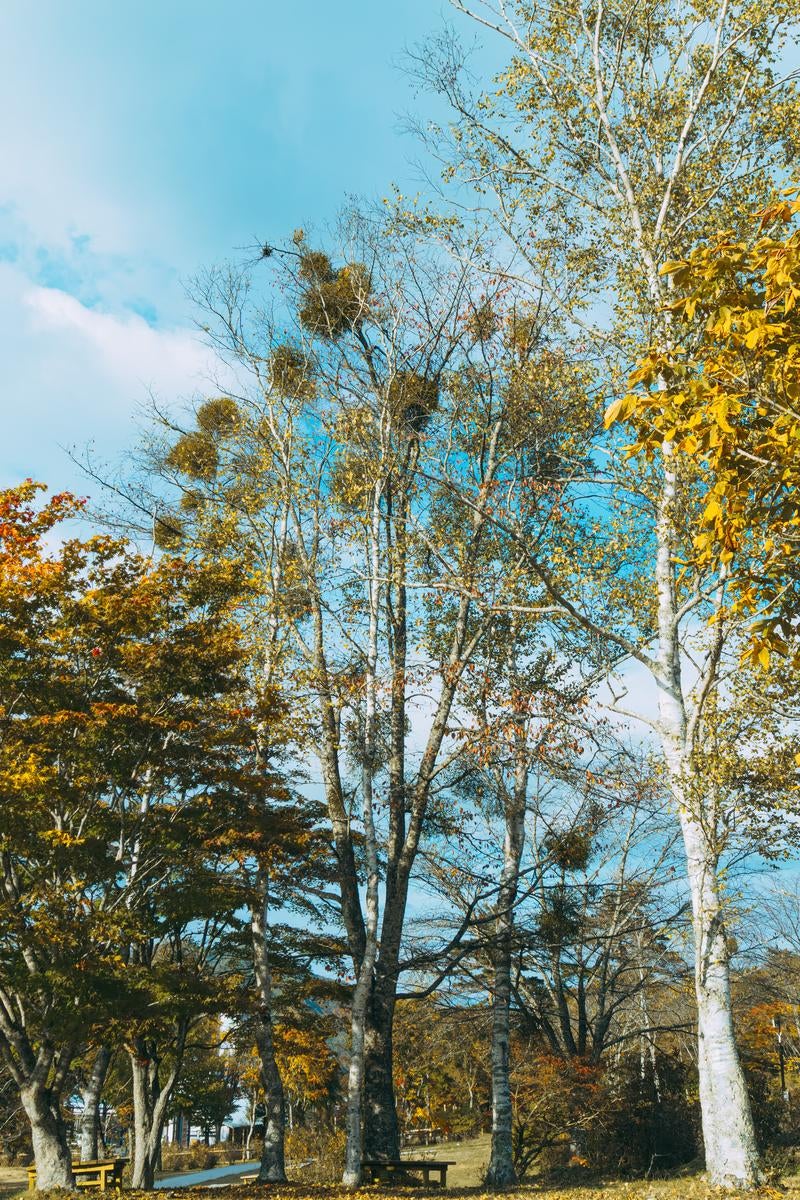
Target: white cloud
x=74 y=374
x=168 y=362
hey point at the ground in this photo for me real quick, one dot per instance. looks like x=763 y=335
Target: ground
x=463 y=1184
x=683 y=1189
x=12 y=1180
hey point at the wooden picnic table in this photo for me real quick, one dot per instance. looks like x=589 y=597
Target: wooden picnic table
x=385 y=1170
x=96 y=1174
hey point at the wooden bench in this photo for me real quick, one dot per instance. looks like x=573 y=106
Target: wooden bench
x=97 y=1174
x=385 y=1171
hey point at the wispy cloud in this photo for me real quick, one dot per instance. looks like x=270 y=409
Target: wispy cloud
x=162 y=360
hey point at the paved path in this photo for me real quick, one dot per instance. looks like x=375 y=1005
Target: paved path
x=216 y=1177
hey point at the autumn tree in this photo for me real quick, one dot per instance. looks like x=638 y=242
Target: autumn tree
x=725 y=397
x=119 y=718
x=613 y=139
x=315 y=473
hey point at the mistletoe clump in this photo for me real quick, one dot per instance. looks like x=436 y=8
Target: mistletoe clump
x=290 y=372
x=194 y=454
x=413 y=399
x=570 y=850
x=336 y=300
x=220 y=417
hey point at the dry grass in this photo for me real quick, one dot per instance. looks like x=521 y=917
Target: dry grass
x=12 y=1180
x=685 y=1188
x=689 y=1188
x=463 y=1179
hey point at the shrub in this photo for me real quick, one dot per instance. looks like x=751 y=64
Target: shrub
x=647 y=1129
x=320 y=1151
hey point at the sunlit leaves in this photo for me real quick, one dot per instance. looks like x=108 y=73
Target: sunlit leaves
x=726 y=396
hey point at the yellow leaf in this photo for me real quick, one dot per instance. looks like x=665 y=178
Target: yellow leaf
x=612 y=412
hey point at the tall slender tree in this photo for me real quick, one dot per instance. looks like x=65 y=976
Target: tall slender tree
x=617 y=137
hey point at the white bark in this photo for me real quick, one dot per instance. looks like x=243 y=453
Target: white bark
x=90 y=1094
x=732 y=1158
x=501 y=1172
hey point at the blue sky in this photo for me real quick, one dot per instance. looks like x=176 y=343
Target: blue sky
x=145 y=141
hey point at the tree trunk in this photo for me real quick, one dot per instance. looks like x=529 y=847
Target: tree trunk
x=144 y=1163
x=273 y=1167
x=90 y=1094
x=365 y=978
x=150 y=1104
x=381 y=1127
x=732 y=1158
x=50 y=1149
x=501 y=1172
x=354 y=1150
x=250 y=1129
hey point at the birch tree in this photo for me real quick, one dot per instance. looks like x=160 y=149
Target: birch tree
x=319 y=476
x=616 y=138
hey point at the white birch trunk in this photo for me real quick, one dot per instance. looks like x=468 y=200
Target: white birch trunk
x=732 y=1158
x=501 y=1172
